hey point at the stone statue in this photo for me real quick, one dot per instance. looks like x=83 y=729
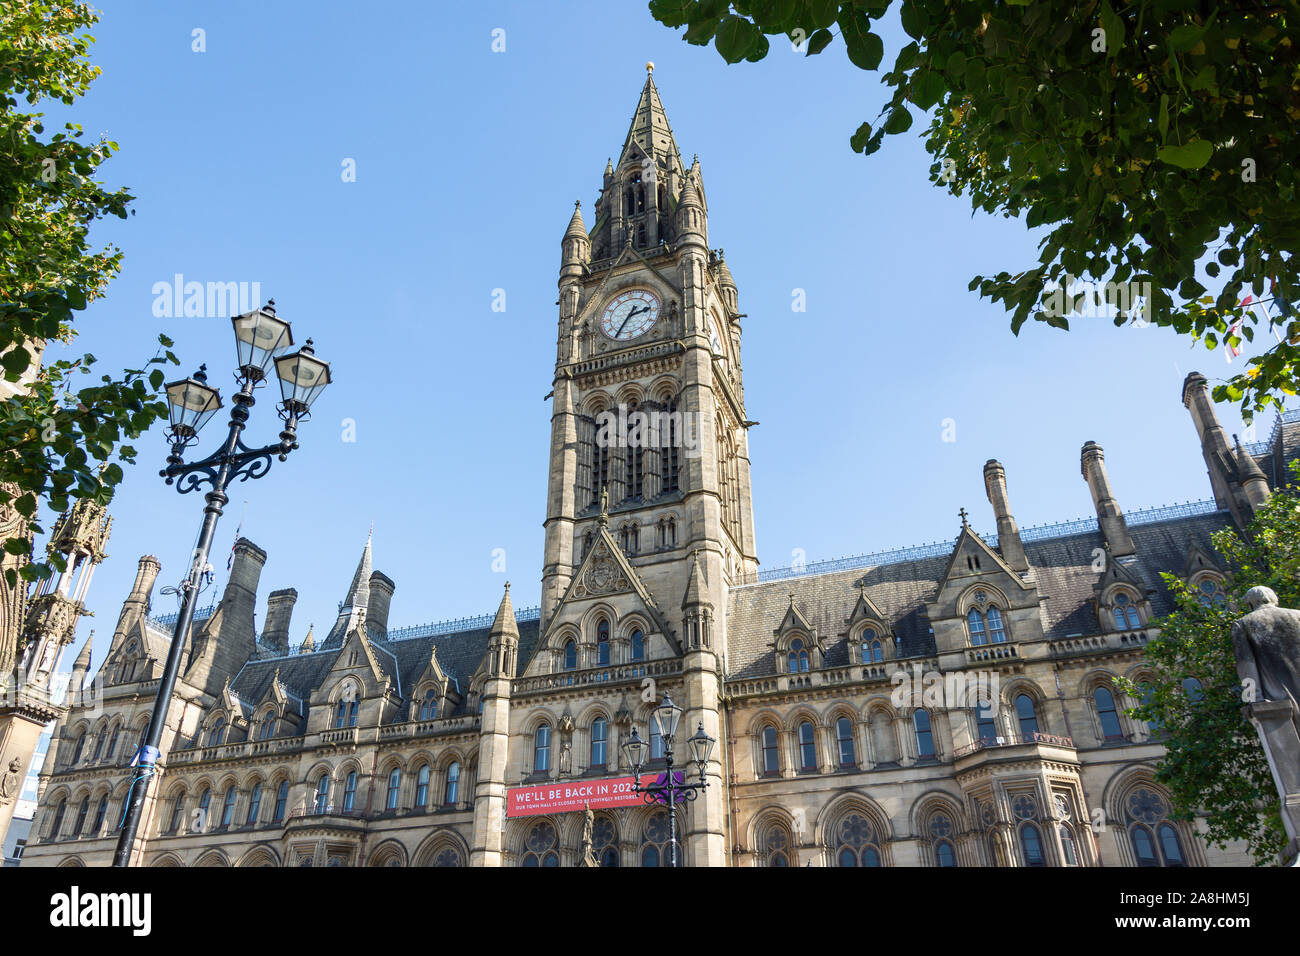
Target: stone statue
x=588 y=828
x=566 y=758
x=12 y=780
x=1266 y=645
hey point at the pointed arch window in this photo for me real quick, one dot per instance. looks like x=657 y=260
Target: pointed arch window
x=1154 y=838
x=599 y=742
x=1069 y=851
x=656 y=741
x=1126 y=614
x=940 y=835
x=771 y=758
x=1031 y=845
x=669 y=463
x=570 y=655
x=844 y=742
x=797 y=659
x=82 y=810
x=774 y=846
x=394 y=788
x=254 y=804
x=1210 y=592
x=540 y=846
x=451 y=793
x=1192 y=688
x=178 y=809
x=100 y=739
x=655 y=847
x=217 y=732
x=807 y=748
x=872 y=649
x=205 y=803
x=429 y=706
x=602 y=642
x=924 y=734
x=101 y=811
x=976 y=623
x=638 y=645
x=323 y=791
x=856 y=842
x=349 y=792
x=57 y=825
x=281 y=799
x=635 y=444
x=542 y=749
x=997 y=633
x=228 y=806
x=1107 y=714
x=986 y=728
x=422 y=786
x=1026 y=715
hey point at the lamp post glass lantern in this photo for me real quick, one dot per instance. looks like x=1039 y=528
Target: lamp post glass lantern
x=260 y=337
x=668 y=789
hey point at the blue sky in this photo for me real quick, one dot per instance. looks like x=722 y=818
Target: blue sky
x=467 y=165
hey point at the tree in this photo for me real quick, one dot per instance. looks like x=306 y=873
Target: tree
x=1147 y=136
x=58 y=443
x=1214 y=763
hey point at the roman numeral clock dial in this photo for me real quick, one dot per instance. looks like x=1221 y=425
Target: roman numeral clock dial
x=630 y=315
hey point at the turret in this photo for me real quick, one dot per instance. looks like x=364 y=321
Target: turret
x=1109 y=518
x=1254 y=484
x=995 y=486
x=727 y=285
x=575 y=247
x=1214 y=443
x=136 y=605
x=494 y=737
x=692 y=228
x=697 y=609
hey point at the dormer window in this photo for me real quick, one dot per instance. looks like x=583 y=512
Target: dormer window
x=429 y=706
x=986 y=626
x=798 y=657
x=1210 y=592
x=1126 y=614
x=217 y=732
x=872 y=649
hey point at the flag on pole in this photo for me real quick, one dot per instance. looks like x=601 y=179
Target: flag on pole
x=231 y=560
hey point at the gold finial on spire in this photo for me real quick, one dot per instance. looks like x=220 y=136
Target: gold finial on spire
x=649 y=66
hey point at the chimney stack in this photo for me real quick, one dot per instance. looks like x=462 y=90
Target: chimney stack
x=381 y=595
x=1111 y=520
x=279 y=611
x=1214 y=443
x=995 y=485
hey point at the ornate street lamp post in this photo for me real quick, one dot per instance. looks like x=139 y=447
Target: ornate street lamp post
x=668 y=789
x=261 y=339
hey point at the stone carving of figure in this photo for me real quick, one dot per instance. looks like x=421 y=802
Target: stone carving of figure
x=1266 y=644
x=11 y=780
x=566 y=758
x=588 y=828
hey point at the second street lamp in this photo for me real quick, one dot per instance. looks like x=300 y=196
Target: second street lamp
x=668 y=790
x=260 y=339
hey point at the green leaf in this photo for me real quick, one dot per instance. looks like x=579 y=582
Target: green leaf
x=864 y=47
x=1162 y=121
x=1183 y=38
x=1191 y=155
x=735 y=38
x=899 y=121
x=927 y=88
x=1114 y=27
x=914 y=19
x=16 y=360
x=819 y=41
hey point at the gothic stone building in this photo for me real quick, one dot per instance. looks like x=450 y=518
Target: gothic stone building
x=373 y=747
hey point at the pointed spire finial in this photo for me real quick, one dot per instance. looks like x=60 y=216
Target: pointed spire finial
x=650 y=66
x=962 y=512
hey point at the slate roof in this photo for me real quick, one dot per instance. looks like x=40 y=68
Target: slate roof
x=1062 y=566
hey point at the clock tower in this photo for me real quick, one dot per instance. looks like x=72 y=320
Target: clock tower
x=648 y=515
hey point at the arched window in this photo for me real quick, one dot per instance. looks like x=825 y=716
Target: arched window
x=655 y=849
x=602 y=643
x=452 y=791
x=798 y=657
x=228 y=806
x=1146 y=810
x=1031 y=845
x=940 y=835
x=267 y=728
x=1126 y=615
x=1070 y=853
x=771 y=759
x=60 y=810
x=598 y=742
x=656 y=741
x=976 y=624
x=1106 y=713
x=429 y=706
x=774 y=846
x=986 y=728
x=541 y=846
x=77 y=749
x=924 y=735
x=636 y=434
x=1147 y=696
x=997 y=633
x=205 y=804
x=100 y=739
x=638 y=645
x=1210 y=592
x=178 y=810
x=281 y=798
x=394 y=788
x=669 y=463
x=349 y=792
x=844 y=742
x=217 y=732
x=807 y=748
x=101 y=811
x=1026 y=715
x=856 y=843
x=323 y=791
x=542 y=749
x=112 y=741
x=570 y=656
x=1192 y=688
x=422 y=786
x=254 y=804
x=604 y=842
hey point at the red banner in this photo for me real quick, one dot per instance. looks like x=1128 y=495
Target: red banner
x=571 y=795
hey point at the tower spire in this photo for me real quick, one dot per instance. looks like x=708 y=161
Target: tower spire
x=649 y=131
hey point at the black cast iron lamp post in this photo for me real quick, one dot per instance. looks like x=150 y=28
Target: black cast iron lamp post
x=261 y=339
x=669 y=790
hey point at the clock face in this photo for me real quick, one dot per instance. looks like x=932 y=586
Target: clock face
x=630 y=314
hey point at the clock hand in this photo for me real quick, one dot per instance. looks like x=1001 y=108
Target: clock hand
x=644 y=308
